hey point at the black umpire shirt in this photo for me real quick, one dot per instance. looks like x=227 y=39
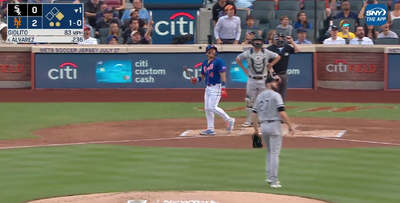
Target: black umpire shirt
x=284 y=53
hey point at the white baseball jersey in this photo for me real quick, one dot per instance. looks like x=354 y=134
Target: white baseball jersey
x=257 y=61
x=267 y=104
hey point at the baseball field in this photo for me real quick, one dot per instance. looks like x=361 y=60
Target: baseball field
x=131 y=145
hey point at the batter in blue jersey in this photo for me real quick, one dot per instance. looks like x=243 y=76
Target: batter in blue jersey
x=213 y=72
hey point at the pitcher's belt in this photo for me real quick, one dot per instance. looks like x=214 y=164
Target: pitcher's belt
x=270 y=121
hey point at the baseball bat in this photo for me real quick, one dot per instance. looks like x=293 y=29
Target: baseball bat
x=187 y=72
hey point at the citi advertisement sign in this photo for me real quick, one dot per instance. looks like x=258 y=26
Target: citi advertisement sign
x=341 y=66
x=171 y=23
x=65 y=71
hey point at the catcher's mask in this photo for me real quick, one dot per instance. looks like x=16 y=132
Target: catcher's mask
x=211 y=46
x=280 y=39
x=257 y=42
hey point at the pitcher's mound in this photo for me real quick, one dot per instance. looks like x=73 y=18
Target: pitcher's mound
x=167 y=197
x=300 y=131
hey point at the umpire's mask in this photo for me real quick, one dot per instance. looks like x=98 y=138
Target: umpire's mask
x=280 y=39
x=257 y=42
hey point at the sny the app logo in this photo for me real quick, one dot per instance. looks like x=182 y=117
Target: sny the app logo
x=376 y=14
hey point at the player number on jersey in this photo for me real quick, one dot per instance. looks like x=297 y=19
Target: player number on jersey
x=266 y=103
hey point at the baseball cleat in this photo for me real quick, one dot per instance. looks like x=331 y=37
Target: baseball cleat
x=231 y=124
x=247 y=124
x=276 y=185
x=208 y=132
x=269 y=181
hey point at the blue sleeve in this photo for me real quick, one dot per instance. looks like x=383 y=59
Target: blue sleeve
x=202 y=69
x=296 y=25
x=125 y=15
x=221 y=66
x=309 y=25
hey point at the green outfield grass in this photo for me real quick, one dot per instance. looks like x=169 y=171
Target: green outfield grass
x=359 y=175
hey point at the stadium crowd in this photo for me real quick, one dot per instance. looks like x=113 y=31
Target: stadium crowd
x=238 y=21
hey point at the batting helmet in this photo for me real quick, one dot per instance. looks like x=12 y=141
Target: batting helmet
x=211 y=46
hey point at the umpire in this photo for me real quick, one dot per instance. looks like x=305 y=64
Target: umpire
x=281 y=46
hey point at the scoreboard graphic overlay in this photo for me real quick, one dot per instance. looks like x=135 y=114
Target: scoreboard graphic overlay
x=46 y=22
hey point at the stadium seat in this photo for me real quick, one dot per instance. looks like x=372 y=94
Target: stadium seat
x=126 y=23
x=289 y=5
x=397 y=31
x=357 y=5
x=282 y=30
x=362 y=21
x=262 y=15
x=309 y=5
x=264 y=5
x=104 y=32
x=242 y=14
x=4 y=20
x=292 y=15
x=120 y=40
x=387 y=41
x=264 y=26
x=396 y=24
x=321 y=15
x=103 y=40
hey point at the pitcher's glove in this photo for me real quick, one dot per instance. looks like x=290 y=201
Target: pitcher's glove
x=257 y=141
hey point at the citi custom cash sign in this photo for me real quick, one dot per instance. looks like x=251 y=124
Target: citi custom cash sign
x=144 y=73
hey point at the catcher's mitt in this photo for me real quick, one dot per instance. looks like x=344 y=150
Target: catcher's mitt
x=257 y=141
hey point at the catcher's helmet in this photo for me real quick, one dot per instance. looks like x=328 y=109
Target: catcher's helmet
x=211 y=46
x=259 y=43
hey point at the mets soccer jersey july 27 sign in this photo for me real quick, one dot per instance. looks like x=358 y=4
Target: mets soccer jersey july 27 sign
x=42 y=23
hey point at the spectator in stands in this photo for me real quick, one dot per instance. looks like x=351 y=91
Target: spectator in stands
x=334 y=39
x=136 y=38
x=39 y=1
x=270 y=36
x=92 y=7
x=76 y=2
x=244 y=4
x=87 y=38
x=285 y=24
x=117 y=5
x=370 y=32
x=330 y=8
x=395 y=14
x=218 y=10
x=108 y=19
x=134 y=13
x=114 y=30
x=386 y=33
x=228 y=28
x=360 y=37
x=249 y=36
x=111 y=39
x=302 y=21
x=3 y=6
x=301 y=37
x=3 y=33
x=100 y=15
x=133 y=26
x=137 y=5
x=345 y=33
x=361 y=15
x=346 y=11
x=250 y=22
x=90 y=27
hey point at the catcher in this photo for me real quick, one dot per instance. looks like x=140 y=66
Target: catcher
x=269 y=109
x=257 y=60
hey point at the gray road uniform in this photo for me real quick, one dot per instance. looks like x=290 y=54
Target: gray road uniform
x=258 y=71
x=267 y=106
